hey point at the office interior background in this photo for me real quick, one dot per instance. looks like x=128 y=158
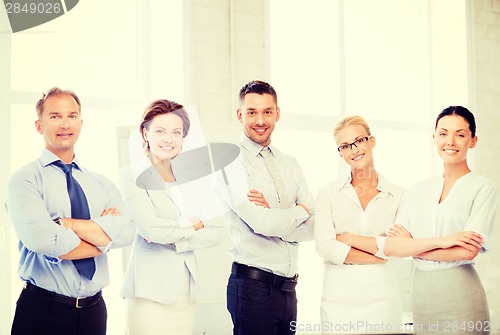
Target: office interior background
x=395 y=62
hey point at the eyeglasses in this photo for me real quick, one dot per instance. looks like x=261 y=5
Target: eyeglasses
x=359 y=141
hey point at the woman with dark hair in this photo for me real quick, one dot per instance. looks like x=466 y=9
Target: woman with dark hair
x=159 y=283
x=447 y=293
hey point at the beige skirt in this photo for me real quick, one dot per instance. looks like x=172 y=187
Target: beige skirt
x=148 y=317
x=449 y=301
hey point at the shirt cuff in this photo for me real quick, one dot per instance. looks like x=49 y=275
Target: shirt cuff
x=380 y=245
x=105 y=249
x=184 y=245
x=53 y=260
x=339 y=253
x=65 y=241
x=184 y=222
x=300 y=213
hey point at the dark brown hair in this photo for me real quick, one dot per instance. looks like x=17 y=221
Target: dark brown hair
x=164 y=106
x=259 y=87
x=460 y=111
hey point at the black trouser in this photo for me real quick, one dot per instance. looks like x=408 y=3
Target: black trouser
x=42 y=313
x=259 y=308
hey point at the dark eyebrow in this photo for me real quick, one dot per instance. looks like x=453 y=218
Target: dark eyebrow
x=161 y=127
x=355 y=139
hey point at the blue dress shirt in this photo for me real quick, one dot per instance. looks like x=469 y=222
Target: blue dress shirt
x=36 y=195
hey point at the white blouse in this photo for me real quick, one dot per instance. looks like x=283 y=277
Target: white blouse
x=470 y=206
x=339 y=211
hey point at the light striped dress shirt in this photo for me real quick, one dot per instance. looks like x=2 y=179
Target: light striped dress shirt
x=266 y=238
x=339 y=211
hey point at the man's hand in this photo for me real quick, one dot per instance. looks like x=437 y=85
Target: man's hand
x=113 y=211
x=197 y=223
x=257 y=198
x=73 y=223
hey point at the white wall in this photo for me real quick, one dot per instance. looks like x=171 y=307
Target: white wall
x=484 y=35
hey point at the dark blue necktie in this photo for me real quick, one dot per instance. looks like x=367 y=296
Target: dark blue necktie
x=79 y=210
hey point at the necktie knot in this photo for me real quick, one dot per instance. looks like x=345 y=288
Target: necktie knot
x=66 y=168
x=265 y=152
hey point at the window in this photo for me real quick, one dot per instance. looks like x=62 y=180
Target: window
x=388 y=61
x=107 y=59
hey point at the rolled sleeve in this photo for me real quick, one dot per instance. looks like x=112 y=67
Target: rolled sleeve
x=184 y=244
x=275 y=222
x=189 y=231
x=117 y=228
x=338 y=252
x=304 y=232
x=31 y=219
x=327 y=246
x=64 y=241
x=105 y=249
x=483 y=213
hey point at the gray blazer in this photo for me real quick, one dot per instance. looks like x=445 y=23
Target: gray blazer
x=165 y=240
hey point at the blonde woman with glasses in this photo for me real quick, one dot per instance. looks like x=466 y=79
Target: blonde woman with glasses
x=360 y=293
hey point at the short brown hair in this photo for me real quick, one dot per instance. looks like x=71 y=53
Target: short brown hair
x=259 y=87
x=55 y=91
x=164 y=106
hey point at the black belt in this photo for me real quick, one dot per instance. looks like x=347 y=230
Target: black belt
x=74 y=302
x=283 y=283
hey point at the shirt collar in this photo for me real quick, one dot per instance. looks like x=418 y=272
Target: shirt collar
x=344 y=180
x=383 y=185
x=47 y=157
x=253 y=147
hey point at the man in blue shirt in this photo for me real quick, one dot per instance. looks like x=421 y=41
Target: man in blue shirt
x=62 y=296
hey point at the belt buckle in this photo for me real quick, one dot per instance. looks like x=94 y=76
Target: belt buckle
x=77 y=305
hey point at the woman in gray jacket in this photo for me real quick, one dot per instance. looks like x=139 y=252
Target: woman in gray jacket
x=172 y=218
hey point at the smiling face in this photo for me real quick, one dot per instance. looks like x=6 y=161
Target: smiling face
x=60 y=124
x=258 y=114
x=360 y=155
x=165 y=136
x=453 y=139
